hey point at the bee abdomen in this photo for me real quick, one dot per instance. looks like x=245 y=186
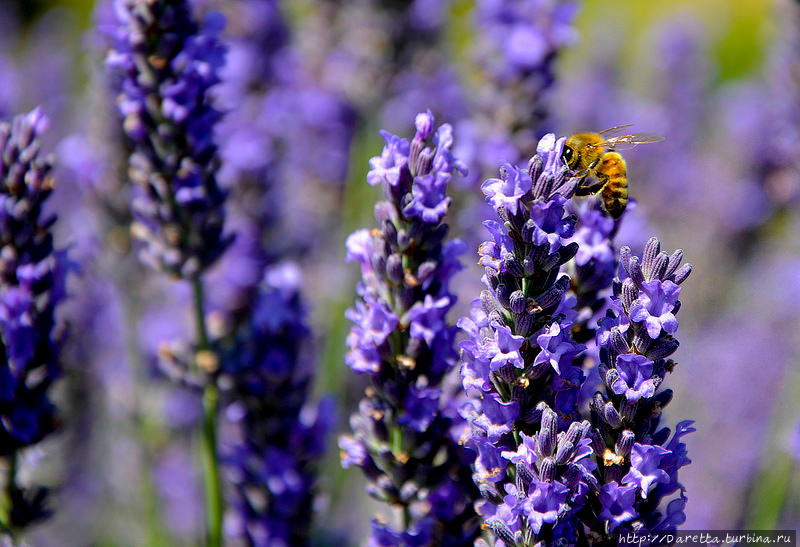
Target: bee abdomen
x=615 y=195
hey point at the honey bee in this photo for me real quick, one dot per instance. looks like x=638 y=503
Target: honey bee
x=594 y=154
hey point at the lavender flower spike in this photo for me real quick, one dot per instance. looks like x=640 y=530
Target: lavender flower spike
x=638 y=463
x=532 y=451
x=167 y=66
x=32 y=285
x=401 y=338
x=266 y=375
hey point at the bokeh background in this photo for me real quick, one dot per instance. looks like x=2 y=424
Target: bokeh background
x=720 y=79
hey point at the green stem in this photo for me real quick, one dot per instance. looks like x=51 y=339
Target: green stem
x=211 y=477
x=8 y=493
x=211 y=467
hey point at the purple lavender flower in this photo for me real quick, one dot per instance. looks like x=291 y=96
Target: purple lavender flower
x=645 y=470
x=32 y=285
x=517 y=365
x=167 y=65
x=617 y=504
x=634 y=377
x=401 y=339
x=266 y=378
x=638 y=461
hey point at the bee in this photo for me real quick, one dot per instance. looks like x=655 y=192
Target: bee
x=594 y=154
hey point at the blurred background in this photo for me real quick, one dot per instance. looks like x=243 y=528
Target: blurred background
x=719 y=79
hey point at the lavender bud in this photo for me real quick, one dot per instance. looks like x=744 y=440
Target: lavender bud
x=629 y=294
x=553 y=295
x=659 y=266
x=493 y=277
x=394 y=268
x=490 y=492
x=403 y=240
x=495 y=318
x=503 y=296
x=641 y=340
x=542 y=185
x=598 y=445
x=427 y=270
x=405 y=297
x=611 y=416
x=538 y=253
x=533 y=415
x=625 y=443
x=564 y=452
x=662 y=398
x=537 y=371
x=636 y=272
x=547 y=469
x=625 y=259
x=389 y=233
x=425 y=162
x=571 y=476
x=416 y=148
x=528 y=230
x=618 y=342
x=379 y=264
x=503 y=533
x=517 y=301
x=673 y=263
x=550 y=429
x=681 y=274
x=488 y=302
x=513 y=266
x=508 y=373
x=597 y=402
x=651 y=250
x=662 y=348
x=535 y=167
x=567 y=253
x=525 y=472
x=627 y=410
x=523 y=323
x=576 y=432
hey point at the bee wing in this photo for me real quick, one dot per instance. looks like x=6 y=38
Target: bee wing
x=625 y=142
x=615 y=128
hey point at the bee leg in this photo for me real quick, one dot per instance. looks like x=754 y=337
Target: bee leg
x=590 y=190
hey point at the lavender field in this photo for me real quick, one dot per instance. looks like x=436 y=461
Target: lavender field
x=508 y=273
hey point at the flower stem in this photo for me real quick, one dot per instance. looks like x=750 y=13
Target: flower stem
x=9 y=489
x=211 y=477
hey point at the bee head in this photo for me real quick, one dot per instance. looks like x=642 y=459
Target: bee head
x=569 y=157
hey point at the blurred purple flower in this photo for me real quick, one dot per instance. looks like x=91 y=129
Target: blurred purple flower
x=32 y=287
x=179 y=207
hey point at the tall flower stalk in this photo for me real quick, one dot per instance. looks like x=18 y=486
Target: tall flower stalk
x=32 y=285
x=532 y=450
x=266 y=379
x=402 y=341
x=166 y=65
x=548 y=470
x=637 y=461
